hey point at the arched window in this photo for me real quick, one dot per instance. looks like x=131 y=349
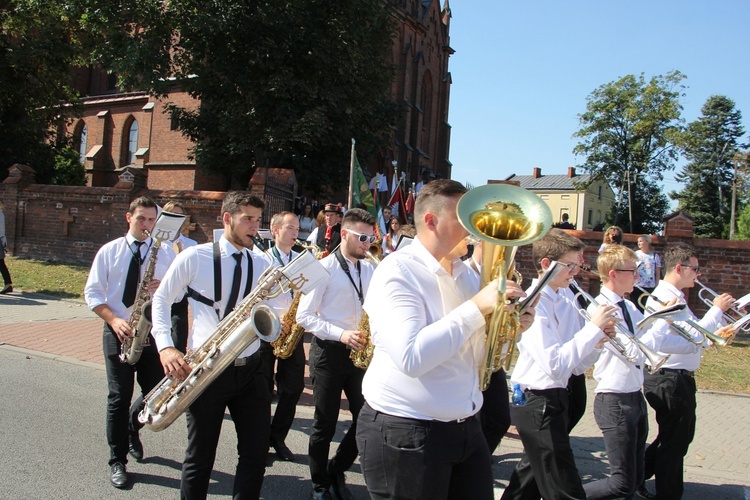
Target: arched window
x=132 y=142
x=81 y=141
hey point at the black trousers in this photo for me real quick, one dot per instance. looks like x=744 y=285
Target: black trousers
x=122 y=417
x=547 y=468
x=4 y=271
x=623 y=421
x=671 y=393
x=404 y=458
x=495 y=412
x=577 y=396
x=290 y=383
x=332 y=372
x=244 y=390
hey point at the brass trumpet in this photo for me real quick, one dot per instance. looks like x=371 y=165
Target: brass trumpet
x=655 y=360
x=707 y=295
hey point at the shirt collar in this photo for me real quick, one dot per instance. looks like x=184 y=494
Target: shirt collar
x=228 y=249
x=611 y=296
x=132 y=239
x=432 y=264
x=671 y=289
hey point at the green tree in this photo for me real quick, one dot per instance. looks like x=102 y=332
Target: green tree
x=39 y=43
x=628 y=135
x=648 y=219
x=282 y=82
x=709 y=144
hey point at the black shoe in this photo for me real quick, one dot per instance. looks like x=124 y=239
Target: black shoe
x=321 y=495
x=338 y=484
x=643 y=492
x=7 y=289
x=283 y=452
x=118 y=475
x=136 y=447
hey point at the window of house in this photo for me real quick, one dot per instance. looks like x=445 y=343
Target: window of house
x=591 y=216
x=600 y=192
x=132 y=142
x=82 y=142
x=544 y=196
x=565 y=197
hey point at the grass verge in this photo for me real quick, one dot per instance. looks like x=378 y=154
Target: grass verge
x=48 y=277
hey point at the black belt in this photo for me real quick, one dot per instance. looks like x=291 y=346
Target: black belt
x=664 y=371
x=454 y=422
x=330 y=343
x=242 y=361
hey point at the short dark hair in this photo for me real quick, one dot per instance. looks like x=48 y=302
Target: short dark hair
x=142 y=201
x=432 y=197
x=354 y=215
x=554 y=245
x=236 y=199
x=679 y=253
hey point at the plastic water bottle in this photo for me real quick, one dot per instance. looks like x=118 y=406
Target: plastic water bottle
x=519 y=398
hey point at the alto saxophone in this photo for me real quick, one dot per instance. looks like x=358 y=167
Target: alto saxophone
x=240 y=328
x=140 y=316
x=291 y=331
x=361 y=359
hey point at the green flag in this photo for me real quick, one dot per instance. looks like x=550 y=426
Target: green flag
x=361 y=193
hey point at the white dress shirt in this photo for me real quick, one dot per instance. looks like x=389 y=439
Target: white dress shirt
x=281 y=303
x=556 y=345
x=691 y=359
x=612 y=371
x=194 y=268
x=186 y=242
x=106 y=281
x=428 y=338
x=333 y=306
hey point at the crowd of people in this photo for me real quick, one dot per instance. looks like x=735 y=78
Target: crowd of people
x=422 y=424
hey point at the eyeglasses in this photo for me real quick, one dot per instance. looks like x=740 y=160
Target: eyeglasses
x=569 y=266
x=363 y=237
x=697 y=269
x=631 y=271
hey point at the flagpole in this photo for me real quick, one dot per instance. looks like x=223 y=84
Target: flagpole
x=351 y=176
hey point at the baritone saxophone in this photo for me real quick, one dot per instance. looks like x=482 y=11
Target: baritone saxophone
x=248 y=321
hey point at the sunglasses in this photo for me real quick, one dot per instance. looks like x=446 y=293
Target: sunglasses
x=363 y=237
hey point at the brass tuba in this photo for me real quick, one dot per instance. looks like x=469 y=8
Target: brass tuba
x=503 y=217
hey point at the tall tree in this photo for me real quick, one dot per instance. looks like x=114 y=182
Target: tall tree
x=281 y=82
x=628 y=135
x=39 y=44
x=652 y=205
x=710 y=144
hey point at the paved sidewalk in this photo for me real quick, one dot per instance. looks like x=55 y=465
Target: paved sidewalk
x=717 y=463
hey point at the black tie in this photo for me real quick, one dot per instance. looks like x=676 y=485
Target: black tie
x=134 y=272
x=235 y=284
x=626 y=315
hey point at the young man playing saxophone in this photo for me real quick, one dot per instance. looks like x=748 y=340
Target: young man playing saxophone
x=290 y=372
x=243 y=386
x=111 y=292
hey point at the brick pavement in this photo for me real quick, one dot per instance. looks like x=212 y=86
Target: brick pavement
x=720 y=450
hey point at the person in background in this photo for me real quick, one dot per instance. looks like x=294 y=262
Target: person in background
x=306 y=222
x=8 y=282
x=320 y=221
x=329 y=236
x=649 y=270
x=613 y=235
x=391 y=237
x=565 y=224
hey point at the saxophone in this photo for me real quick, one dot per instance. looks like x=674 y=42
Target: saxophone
x=140 y=316
x=362 y=358
x=240 y=328
x=291 y=331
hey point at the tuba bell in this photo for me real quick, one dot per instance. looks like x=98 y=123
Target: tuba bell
x=503 y=217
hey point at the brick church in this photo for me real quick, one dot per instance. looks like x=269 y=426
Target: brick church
x=119 y=130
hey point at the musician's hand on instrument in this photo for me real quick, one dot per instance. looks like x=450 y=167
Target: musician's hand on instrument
x=486 y=299
x=604 y=315
x=527 y=318
x=724 y=301
x=352 y=339
x=121 y=328
x=173 y=362
x=153 y=285
x=725 y=332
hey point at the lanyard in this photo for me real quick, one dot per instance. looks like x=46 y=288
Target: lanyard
x=281 y=263
x=345 y=267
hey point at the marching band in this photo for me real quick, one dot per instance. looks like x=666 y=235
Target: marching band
x=429 y=322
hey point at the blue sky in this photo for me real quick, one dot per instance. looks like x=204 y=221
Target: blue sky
x=523 y=69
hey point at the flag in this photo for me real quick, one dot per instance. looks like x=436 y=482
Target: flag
x=361 y=193
x=379 y=223
x=409 y=205
x=383 y=185
x=394 y=181
x=374 y=182
x=397 y=204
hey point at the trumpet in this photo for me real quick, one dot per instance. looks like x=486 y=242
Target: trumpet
x=707 y=295
x=655 y=360
x=681 y=330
